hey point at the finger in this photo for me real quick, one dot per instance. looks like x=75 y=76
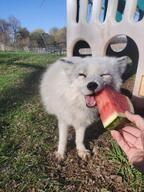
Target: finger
x=128 y=137
x=142 y=138
x=137 y=157
x=138 y=120
x=132 y=130
x=120 y=140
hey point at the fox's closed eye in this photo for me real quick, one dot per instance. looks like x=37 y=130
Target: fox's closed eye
x=107 y=77
x=82 y=75
x=105 y=74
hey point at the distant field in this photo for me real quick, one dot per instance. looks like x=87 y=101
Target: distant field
x=28 y=138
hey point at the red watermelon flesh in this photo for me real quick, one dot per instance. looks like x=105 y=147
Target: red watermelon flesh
x=112 y=106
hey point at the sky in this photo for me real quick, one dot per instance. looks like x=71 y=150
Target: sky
x=34 y=14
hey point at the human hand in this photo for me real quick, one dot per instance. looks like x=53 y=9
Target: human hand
x=131 y=140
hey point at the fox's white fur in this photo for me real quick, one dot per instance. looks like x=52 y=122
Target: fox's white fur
x=63 y=89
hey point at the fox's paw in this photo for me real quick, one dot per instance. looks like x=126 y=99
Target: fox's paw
x=84 y=154
x=60 y=157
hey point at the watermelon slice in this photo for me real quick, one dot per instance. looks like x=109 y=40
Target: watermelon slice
x=112 y=106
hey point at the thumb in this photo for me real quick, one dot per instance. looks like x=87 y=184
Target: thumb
x=136 y=119
x=120 y=140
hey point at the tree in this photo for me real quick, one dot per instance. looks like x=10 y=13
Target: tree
x=58 y=35
x=36 y=38
x=53 y=31
x=22 y=37
x=22 y=33
x=4 y=32
x=14 y=27
x=13 y=35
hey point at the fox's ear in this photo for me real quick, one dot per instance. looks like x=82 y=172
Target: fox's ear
x=67 y=61
x=122 y=64
x=69 y=64
x=71 y=60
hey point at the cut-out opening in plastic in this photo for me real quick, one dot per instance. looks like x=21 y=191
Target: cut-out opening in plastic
x=130 y=50
x=85 y=51
x=120 y=10
x=124 y=46
x=138 y=15
x=78 y=10
x=82 y=49
x=89 y=10
x=118 y=43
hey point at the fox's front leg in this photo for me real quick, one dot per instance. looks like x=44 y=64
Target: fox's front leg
x=83 y=153
x=63 y=133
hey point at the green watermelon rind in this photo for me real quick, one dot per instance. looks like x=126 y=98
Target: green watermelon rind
x=116 y=123
x=117 y=118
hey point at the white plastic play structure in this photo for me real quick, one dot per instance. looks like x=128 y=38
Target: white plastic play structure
x=98 y=34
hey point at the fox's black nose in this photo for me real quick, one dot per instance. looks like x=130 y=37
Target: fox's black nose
x=92 y=86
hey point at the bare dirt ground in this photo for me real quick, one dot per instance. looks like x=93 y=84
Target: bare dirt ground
x=99 y=173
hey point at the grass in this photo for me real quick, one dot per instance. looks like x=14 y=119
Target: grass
x=24 y=136
x=28 y=134
x=130 y=175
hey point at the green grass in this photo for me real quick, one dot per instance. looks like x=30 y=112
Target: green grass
x=28 y=134
x=130 y=175
x=26 y=131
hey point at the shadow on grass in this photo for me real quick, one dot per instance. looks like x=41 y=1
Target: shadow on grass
x=92 y=132
x=35 y=66
x=15 y=96
x=12 y=62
